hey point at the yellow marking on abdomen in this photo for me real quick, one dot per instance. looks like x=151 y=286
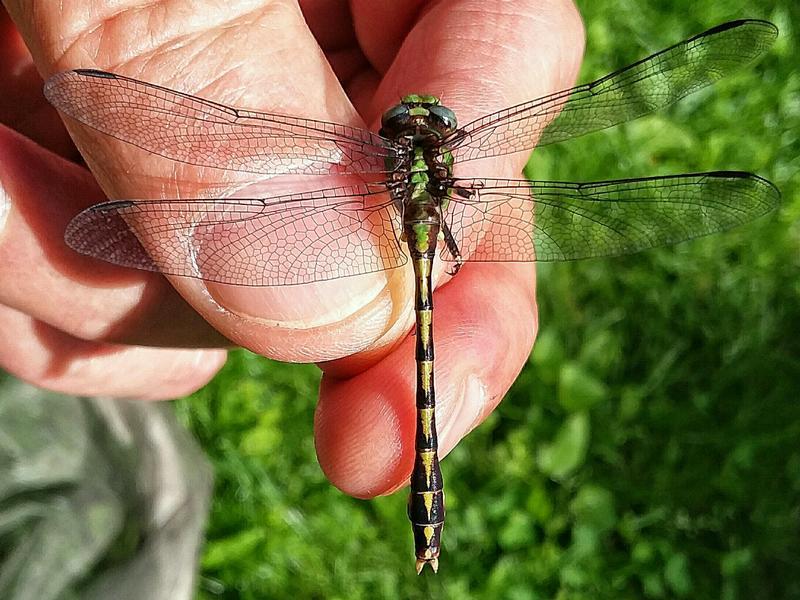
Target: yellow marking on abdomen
x=427 y=463
x=426 y=371
x=426 y=417
x=428 y=531
x=425 y=321
x=424 y=276
x=428 y=499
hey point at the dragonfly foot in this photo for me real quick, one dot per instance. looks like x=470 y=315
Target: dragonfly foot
x=456 y=267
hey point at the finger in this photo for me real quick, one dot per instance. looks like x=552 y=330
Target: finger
x=479 y=57
x=51 y=359
x=43 y=278
x=486 y=56
x=232 y=61
x=382 y=26
x=365 y=425
x=22 y=105
x=331 y=22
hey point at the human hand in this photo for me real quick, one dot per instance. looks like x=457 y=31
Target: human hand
x=69 y=323
x=478 y=55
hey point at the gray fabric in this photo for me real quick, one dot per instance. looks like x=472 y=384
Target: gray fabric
x=99 y=498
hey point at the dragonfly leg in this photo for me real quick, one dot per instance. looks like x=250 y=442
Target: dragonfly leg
x=449 y=240
x=452 y=248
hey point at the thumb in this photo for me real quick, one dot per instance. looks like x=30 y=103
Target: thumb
x=235 y=53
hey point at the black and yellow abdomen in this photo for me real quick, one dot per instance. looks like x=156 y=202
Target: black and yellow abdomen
x=420 y=123
x=426 y=499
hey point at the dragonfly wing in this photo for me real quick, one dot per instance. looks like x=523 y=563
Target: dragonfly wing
x=641 y=88
x=204 y=133
x=283 y=240
x=520 y=221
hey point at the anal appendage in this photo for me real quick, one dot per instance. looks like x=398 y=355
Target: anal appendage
x=433 y=562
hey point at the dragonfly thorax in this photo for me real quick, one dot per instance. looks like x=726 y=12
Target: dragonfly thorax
x=422 y=172
x=422 y=168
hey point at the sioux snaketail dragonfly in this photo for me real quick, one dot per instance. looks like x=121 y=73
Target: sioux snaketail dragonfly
x=418 y=199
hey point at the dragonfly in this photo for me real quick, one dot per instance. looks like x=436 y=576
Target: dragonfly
x=412 y=205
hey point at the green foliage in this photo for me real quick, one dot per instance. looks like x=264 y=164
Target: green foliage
x=650 y=448
x=568 y=450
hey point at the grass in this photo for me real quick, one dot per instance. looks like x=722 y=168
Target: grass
x=648 y=450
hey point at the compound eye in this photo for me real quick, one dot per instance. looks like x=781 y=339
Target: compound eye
x=445 y=115
x=399 y=112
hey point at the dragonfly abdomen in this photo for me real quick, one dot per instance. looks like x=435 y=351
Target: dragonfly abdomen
x=426 y=501
x=419 y=124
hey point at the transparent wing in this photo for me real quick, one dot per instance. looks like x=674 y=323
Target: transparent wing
x=283 y=240
x=204 y=133
x=520 y=221
x=643 y=87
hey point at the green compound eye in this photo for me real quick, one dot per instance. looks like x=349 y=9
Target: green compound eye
x=445 y=115
x=401 y=110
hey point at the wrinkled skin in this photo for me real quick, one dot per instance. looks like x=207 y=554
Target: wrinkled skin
x=80 y=326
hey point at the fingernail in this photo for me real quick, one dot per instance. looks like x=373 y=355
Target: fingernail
x=319 y=304
x=467 y=416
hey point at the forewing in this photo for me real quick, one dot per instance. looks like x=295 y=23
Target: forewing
x=204 y=133
x=283 y=240
x=643 y=87
x=521 y=221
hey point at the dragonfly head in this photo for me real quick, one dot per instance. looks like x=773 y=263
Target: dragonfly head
x=420 y=116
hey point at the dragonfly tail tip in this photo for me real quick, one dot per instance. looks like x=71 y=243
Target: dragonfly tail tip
x=433 y=562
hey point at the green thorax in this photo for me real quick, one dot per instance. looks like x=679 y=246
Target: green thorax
x=421 y=127
x=419 y=175
x=420 y=99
